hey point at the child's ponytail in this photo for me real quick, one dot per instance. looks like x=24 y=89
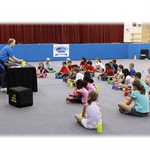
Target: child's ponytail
x=142 y=89
x=139 y=86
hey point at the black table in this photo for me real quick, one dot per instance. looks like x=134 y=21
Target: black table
x=21 y=76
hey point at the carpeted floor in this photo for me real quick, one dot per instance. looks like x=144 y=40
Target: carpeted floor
x=50 y=115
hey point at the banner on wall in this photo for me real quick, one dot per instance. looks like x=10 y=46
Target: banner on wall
x=60 y=50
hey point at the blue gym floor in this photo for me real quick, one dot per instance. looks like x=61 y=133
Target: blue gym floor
x=50 y=115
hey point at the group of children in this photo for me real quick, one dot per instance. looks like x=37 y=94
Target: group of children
x=42 y=69
x=136 y=90
x=84 y=91
x=81 y=77
x=137 y=102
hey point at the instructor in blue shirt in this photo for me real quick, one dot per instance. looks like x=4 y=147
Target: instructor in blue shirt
x=6 y=54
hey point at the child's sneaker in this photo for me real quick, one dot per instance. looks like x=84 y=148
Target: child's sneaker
x=113 y=86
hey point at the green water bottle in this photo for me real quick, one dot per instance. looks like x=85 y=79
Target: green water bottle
x=99 y=127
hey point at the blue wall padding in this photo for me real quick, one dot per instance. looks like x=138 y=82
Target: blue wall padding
x=103 y=51
x=135 y=49
x=38 y=52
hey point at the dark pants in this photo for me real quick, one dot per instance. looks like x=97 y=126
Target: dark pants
x=64 y=75
x=3 y=74
x=76 y=100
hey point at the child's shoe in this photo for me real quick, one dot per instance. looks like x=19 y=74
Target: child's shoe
x=56 y=75
x=113 y=85
x=116 y=87
x=64 y=79
x=60 y=77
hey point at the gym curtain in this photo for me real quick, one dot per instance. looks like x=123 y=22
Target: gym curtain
x=62 y=33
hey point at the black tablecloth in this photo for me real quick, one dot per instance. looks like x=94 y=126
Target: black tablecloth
x=22 y=76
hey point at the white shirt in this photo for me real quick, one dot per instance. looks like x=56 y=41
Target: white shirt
x=100 y=65
x=79 y=75
x=120 y=73
x=129 y=80
x=93 y=114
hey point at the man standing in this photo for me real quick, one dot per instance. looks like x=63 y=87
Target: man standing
x=6 y=54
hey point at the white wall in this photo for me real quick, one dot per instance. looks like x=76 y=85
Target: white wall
x=129 y=29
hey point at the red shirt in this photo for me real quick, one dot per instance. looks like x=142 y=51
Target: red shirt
x=70 y=67
x=90 y=68
x=83 y=63
x=110 y=72
x=64 y=70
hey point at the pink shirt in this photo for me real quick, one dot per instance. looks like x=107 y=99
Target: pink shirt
x=90 y=87
x=84 y=93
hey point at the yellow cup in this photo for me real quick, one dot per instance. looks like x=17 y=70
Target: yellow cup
x=23 y=64
x=97 y=88
x=99 y=127
x=70 y=84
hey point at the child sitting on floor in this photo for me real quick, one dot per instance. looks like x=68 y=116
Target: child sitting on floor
x=89 y=82
x=79 y=75
x=70 y=67
x=81 y=96
x=99 y=66
x=141 y=100
x=83 y=63
x=91 y=114
x=119 y=74
x=137 y=77
x=114 y=63
x=112 y=66
x=64 y=71
x=132 y=71
x=41 y=71
x=75 y=75
x=107 y=73
x=147 y=79
x=48 y=67
x=90 y=68
x=127 y=79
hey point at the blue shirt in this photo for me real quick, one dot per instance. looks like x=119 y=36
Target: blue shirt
x=113 y=68
x=132 y=72
x=5 y=53
x=141 y=101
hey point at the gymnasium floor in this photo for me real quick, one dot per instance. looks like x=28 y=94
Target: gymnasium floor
x=51 y=116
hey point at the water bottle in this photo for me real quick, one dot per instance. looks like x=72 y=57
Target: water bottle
x=99 y=127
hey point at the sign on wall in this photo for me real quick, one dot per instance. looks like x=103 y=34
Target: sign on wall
x=60 y=50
